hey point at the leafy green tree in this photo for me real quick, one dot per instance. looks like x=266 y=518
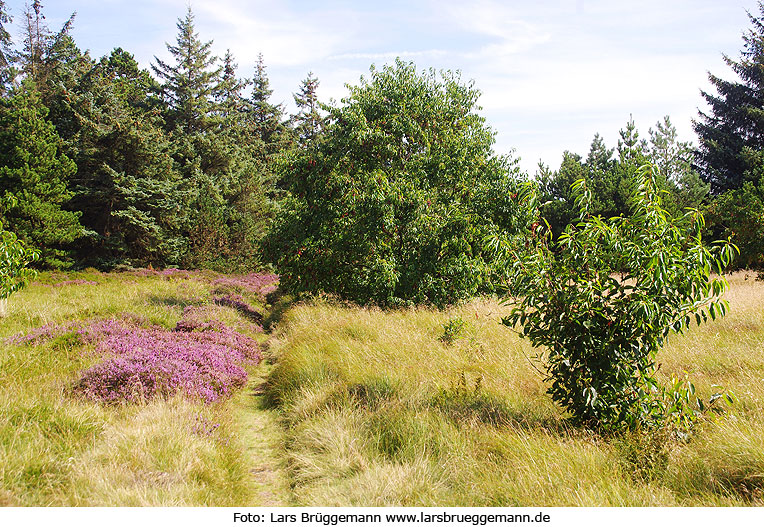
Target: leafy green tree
x=14 y=259
x=392 y=205
x=735 y=120
x=603 y=298
x=33 y=175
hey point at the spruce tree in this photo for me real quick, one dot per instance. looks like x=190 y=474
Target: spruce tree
x=190 y=83
x=308 y=121
x=126 y=186
x=232 y=106
x=33 y=179
x=266 y=119
x=735 y=121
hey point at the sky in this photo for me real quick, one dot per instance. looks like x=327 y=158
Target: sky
x=551 y=73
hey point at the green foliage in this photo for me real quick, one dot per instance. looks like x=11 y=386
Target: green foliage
x=33 y=179
x=604 y=298
x=189 y=83
x=610 y=179
x=739 y=214
x=391 y=204
x=735 y=121
x=308 y=121
x=14 y=258
x=125 y=185
x=453 y=330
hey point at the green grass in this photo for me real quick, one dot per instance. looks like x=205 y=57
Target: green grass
x=380 y=409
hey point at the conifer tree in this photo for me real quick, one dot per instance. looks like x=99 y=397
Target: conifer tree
x=7 y=72
x=266 y=119
x=189 y=84
x=43 y=51
x=674 y=160
x=126 y=186
x=308 y=121
x=231 y=104
x=33 y=179
x=735 y=121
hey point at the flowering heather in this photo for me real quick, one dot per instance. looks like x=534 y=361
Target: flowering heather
x=200 y=359
x=147 y=363
x=258 y=283
x=166 y=273
x=88 y=331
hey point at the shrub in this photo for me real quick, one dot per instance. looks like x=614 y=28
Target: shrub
x=14 y=257
x=605 y=297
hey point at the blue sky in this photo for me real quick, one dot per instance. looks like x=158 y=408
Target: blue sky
x=552 y=73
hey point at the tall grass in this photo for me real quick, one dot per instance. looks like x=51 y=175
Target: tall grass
x=381 y=409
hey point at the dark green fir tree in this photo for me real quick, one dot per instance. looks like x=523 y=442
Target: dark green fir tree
x=33 y=179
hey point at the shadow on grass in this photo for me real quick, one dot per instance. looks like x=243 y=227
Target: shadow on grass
x=174 y=300
x=279 y=303
x=466 y=407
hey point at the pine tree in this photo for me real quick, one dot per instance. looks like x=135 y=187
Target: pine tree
x=736 y=118
x=33 y=179
x=308 y=121
x=190 y=83
x=630 y=146
x=674 y=160
x=559 y=208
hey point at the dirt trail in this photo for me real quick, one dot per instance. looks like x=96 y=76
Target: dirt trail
x=261 y=437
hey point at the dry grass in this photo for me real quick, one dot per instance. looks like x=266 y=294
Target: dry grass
x=379 y=410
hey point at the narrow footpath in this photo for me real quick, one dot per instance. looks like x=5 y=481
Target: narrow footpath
x=261 y=437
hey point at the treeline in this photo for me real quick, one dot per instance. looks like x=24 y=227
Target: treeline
x=106 y=164
x=387 y=198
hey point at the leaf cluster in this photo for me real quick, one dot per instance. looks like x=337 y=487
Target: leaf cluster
x=607 y=294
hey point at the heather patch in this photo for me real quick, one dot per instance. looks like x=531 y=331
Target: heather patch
x=257 y=283
x=166 y=273
x=203 y=365
x=86 y=331
x=200 y=358
x=200 y=318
